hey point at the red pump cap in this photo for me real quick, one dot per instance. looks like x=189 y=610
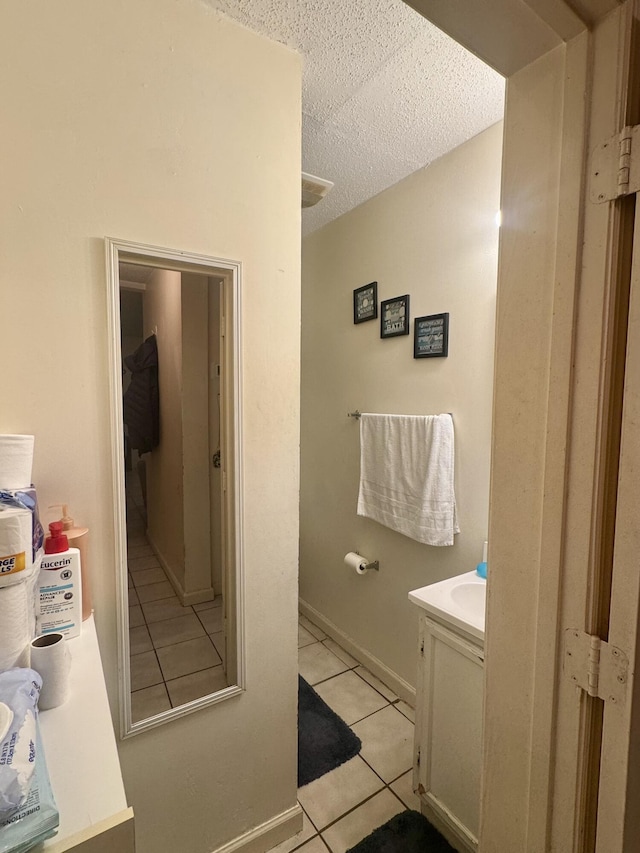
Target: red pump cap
x=57 y=542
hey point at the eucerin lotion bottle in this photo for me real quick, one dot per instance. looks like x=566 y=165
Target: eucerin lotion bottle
x=60 y=586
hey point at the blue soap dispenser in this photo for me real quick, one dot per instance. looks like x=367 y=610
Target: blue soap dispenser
x=481 y=568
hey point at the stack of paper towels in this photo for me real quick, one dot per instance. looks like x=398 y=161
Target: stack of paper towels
x=19 y=566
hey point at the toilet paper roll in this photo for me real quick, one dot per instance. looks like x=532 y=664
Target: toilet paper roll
x=356 y=562
x=51 y=660
x=16 y=545
x=17 y=623
x=16 y=461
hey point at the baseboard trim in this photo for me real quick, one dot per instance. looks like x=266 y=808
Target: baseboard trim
x=199 y=596
x=449 y=826
x=268 y=834
x=394 y=682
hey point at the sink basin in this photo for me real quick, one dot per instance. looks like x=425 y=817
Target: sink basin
x=471 y=597
x=458 y=601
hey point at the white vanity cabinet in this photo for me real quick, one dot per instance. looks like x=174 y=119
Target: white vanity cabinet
x=448 y=733
x=82 y=760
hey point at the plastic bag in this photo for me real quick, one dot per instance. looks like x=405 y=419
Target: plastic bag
x=28 y=812
x=19 y=693
x=38 y=818
x=27 y=499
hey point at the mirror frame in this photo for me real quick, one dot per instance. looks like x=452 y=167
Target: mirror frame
x=118 y=251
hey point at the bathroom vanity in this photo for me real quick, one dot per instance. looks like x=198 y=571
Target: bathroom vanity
x=82 y=760
x=448 y=733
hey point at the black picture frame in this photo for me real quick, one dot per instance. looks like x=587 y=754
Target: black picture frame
x=431 y=336
x=394 y=317
x=365 y=302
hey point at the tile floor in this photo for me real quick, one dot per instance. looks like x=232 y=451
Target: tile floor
x=176 y=652
x=344 y=806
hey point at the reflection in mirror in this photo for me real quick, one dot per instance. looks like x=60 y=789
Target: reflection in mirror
x=175 y=401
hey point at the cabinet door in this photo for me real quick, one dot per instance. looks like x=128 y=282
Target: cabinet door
x=449 y=729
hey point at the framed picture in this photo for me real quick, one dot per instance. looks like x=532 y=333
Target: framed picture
x=365 y=303
x=394 y=317
x=431 y=336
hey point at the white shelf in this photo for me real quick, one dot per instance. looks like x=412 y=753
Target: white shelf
x=80 y=746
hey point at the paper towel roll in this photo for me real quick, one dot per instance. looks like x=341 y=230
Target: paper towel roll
x=16 y=461
x=17 y=623
x=16 y=545
x=356 y=562
x=51 y=660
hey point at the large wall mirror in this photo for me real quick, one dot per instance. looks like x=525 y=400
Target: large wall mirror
x=175 y=403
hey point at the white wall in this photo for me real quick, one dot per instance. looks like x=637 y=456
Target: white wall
x=162 y=310
x=195 y=432
x=433 y=236
x=158 y=121
x=215 y=474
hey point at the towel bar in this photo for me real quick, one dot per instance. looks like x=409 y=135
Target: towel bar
x=357 y=415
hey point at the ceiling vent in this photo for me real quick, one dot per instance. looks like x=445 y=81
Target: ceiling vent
x=313 y=189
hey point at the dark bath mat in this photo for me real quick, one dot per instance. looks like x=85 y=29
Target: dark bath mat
x=407 y=832
x=324 y=740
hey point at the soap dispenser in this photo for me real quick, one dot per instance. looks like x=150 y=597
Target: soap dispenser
x=78 y=537
x=481 y=568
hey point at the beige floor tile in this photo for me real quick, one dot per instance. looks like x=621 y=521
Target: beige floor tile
x=207 y=605
x=305 y=638
x=133 y=595
x=139 y=551
x=139 y=640
x=221 y=647
x=211 y=619
x=403 y=788
x=316 y=663
x=136 y=535
x=185 y=658
x=316 y=845
x=405 y=709
x=333 y=794
x=293 y=843
x=155 y=591
x=164 y=608
x=147 y=576
x=318 y=633
x=375 y=683
x=149 y=702
x=135 y=616
x=340 y=652
x=354 y=827
x=350 y=697
x=204 y=605
x=190 y=687
x=137 y=564
x=387 y=742
x=178 y=630
x=129 y=581
x=145 y=671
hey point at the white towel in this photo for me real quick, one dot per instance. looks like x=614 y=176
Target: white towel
x=406 y=475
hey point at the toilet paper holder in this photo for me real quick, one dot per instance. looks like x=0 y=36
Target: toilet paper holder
x=372 y=565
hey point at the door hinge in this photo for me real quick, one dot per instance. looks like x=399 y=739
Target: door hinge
x=599 y=668
x=615 y=170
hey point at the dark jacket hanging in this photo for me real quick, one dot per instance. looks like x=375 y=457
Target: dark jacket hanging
x=141 y=400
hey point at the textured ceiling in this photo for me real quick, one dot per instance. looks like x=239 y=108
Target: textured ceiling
x=384 y=92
